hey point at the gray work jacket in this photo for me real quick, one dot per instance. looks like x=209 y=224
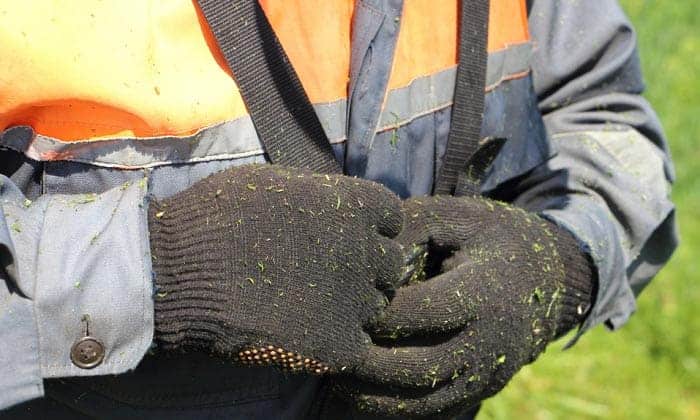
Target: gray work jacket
x=583 y=149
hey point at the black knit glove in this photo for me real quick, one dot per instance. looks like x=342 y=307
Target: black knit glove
x=507 y=283
x=270 y=265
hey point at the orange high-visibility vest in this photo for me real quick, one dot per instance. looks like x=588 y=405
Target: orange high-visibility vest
x=148 y=68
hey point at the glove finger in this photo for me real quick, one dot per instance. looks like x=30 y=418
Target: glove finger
x=428 y=362
x=448 y=222
x=435 y=306
x=415 y=231
x=388 y=262
x=370 y=202
x=464 y=391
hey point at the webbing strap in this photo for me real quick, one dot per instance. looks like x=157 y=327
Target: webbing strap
x=283 y=116
x=468 y=104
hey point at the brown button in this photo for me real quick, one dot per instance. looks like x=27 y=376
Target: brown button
x=87 y=353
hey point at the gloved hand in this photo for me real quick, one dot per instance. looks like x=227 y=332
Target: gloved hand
x=271 y=265
x=511 y=283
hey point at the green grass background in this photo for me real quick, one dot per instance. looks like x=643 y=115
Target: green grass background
x=650 y=369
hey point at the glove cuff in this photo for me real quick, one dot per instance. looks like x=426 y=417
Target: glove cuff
x=182 y=270
x=580 y=282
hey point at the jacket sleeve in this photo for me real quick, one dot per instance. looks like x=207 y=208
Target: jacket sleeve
x=609 y=181
x=70 y=262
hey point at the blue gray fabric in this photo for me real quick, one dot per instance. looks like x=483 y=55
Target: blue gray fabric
x=19 y=353
x=612 y=168
x=65 y=248
x=582 y=147
x=375 y=32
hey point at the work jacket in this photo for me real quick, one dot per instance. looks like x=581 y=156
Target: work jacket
x=108 y=103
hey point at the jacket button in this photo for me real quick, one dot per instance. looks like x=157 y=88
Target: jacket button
x=87 y=353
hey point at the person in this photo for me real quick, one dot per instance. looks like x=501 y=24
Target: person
x=150 y=256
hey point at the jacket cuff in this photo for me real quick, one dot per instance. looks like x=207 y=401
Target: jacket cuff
x=609 y=190
x=597 y=237
x=86 y=262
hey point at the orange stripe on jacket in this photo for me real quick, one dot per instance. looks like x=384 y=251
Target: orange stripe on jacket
x=315 y=35
x=110 y=69
x=143 y=68
x=428 y=40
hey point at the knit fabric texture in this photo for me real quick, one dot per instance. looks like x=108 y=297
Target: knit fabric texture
x=266 y=264
x=500 y=284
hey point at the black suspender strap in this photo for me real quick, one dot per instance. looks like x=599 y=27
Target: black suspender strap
x=468 y=104
x=283 y=116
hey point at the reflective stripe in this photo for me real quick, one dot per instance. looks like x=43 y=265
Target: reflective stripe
x=431 y=93
x=333 y=119
x=422 y=96
x=227 y=140
x=507 y=64
x=237 y=138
